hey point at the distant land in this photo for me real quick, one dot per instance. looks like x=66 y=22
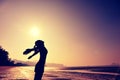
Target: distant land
x=106 y=68
x=33 y=63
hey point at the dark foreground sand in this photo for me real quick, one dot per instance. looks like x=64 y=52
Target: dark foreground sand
x=26 y=73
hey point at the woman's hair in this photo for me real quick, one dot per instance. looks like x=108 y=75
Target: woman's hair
x=39 y=43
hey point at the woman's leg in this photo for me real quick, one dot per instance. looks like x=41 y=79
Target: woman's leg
x=38 y=76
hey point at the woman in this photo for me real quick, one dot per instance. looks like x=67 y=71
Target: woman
x=38 y=48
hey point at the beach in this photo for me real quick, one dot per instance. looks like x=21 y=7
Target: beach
x=53 y=73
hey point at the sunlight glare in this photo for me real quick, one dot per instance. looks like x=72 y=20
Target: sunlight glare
x=34 y=31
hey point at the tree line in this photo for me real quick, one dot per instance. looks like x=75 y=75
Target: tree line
x=6 y=61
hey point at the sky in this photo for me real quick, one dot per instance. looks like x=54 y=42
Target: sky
x=75 y=32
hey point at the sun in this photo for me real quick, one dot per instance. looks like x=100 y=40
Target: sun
x=35 y=31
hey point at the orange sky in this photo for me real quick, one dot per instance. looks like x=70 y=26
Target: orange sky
x=66 y=29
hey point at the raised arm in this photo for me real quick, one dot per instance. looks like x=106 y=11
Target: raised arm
x=28 y=51
x=36 y=51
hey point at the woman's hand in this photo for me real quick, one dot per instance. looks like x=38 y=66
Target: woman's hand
x=27 y=51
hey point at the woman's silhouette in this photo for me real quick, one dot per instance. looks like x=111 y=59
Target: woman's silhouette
x=38 y=48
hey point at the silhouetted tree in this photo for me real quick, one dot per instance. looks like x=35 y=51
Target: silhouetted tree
x=4 y=59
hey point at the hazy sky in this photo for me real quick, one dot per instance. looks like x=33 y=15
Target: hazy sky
x=76 y=32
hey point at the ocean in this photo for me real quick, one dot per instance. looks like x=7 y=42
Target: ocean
x=54 y=73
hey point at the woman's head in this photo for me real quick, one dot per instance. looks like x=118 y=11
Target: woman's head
x=39 y=43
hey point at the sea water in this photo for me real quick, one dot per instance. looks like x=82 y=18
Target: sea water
x=52 y=73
